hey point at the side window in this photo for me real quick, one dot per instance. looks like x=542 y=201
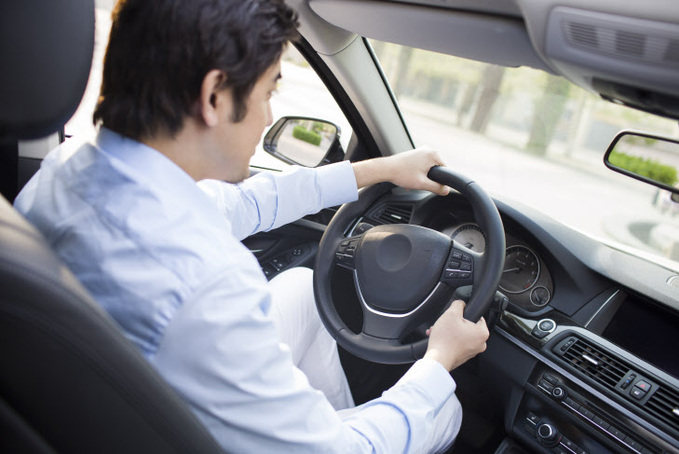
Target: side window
x=80 y=125
x=300 y=93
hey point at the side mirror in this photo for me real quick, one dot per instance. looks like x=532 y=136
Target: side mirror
x=308 y=142
x=645 y=157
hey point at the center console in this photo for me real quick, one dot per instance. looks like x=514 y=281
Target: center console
x=587 y=395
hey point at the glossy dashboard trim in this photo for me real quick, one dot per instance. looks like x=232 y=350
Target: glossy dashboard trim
x=517 y=330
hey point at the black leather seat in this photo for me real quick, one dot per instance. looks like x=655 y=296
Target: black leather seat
x=69 y=380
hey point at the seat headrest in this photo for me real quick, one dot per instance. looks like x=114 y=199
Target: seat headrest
x=46 y=52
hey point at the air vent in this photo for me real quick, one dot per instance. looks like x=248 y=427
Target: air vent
x=593 y=362
x=664 y=405
x=393 y=213
x=632 y=44
x=582 y=34
x=672 y=52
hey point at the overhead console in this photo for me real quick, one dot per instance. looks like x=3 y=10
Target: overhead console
x=607 y=51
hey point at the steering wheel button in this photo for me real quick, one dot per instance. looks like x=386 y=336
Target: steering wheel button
x=451 y=274
x=457 y=255
x=454 y=264
x=466 y=267
x=466 y=257
x=464 y=275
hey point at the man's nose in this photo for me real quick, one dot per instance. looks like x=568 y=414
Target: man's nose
x=269 y=115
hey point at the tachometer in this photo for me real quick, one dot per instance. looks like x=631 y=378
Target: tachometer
x=470 y=236
x=522 y=270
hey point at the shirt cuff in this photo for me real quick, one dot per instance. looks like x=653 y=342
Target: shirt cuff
x=338 y=183
x=433 y=379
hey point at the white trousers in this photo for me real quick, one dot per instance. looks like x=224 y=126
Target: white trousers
x=314 y=352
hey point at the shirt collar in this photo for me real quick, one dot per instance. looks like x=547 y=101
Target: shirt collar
x=154 y=168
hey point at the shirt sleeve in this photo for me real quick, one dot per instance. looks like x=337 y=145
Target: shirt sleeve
x=271 y=199
x=221 y=353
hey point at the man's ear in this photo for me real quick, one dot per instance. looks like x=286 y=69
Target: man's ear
x=212 y=99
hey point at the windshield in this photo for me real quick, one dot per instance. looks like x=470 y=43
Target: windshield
x=535 y=138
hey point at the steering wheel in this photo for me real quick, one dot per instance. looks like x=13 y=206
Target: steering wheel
x=405 y=275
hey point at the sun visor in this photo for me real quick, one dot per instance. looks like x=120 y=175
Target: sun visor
x=495 y=39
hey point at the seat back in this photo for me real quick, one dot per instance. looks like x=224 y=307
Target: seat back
x=69 y=380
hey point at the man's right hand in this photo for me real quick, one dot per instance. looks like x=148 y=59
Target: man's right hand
x=453 y=339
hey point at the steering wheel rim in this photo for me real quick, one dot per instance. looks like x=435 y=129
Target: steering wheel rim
x=386 y=348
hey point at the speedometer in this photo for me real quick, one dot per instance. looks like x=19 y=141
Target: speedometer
x=522 y=270
x=470 y=236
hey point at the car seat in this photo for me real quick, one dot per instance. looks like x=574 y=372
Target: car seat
x=69 y=380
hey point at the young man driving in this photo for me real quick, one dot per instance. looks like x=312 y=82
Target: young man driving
x=185 y=99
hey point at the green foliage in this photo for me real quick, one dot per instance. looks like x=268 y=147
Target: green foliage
x=301 y=133
x=646 y=167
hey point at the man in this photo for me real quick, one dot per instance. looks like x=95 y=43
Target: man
x=185 y=98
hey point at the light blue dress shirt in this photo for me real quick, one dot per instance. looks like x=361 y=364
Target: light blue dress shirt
x=165 y=260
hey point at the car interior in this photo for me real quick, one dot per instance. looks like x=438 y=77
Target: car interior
x=582 y=356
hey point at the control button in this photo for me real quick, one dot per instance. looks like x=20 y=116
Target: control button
x=568 y=443
x=543 y=328
x=550 y=378
x=466 y=257
x=586 y=413
x=547 y=386
x=362 y=228
x=454 y=264
x=637 y=393
x=570 y=402
x=547 y=325
x=616 y=433
x=559 y=392
x=644 y=386
x=560 y=450
x=466 y=267
x=601 y=423
x=457 y=255
x=632 y=443
x=464 y=274
x=547 y=434
x=628 y=381
x=567 y=345
x=451 y=274
x=533 y=418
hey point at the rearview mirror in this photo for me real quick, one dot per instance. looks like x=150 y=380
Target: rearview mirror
x=645 y=157
x=308 y=142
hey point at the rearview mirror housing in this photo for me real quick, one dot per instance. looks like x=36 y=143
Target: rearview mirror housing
x=645 y=157
x=304 y=141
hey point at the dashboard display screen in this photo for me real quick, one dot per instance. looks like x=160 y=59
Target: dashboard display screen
x=651 y=333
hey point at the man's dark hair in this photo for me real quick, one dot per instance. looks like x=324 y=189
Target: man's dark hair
x=159 y=52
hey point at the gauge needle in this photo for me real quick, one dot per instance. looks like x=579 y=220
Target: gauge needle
x=509 y=270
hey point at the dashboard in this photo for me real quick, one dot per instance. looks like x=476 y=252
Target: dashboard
x=589 y=361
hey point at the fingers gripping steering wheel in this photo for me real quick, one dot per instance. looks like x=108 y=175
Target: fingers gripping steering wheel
x=406 y=274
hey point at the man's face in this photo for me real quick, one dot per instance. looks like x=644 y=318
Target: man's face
x=237 y=141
